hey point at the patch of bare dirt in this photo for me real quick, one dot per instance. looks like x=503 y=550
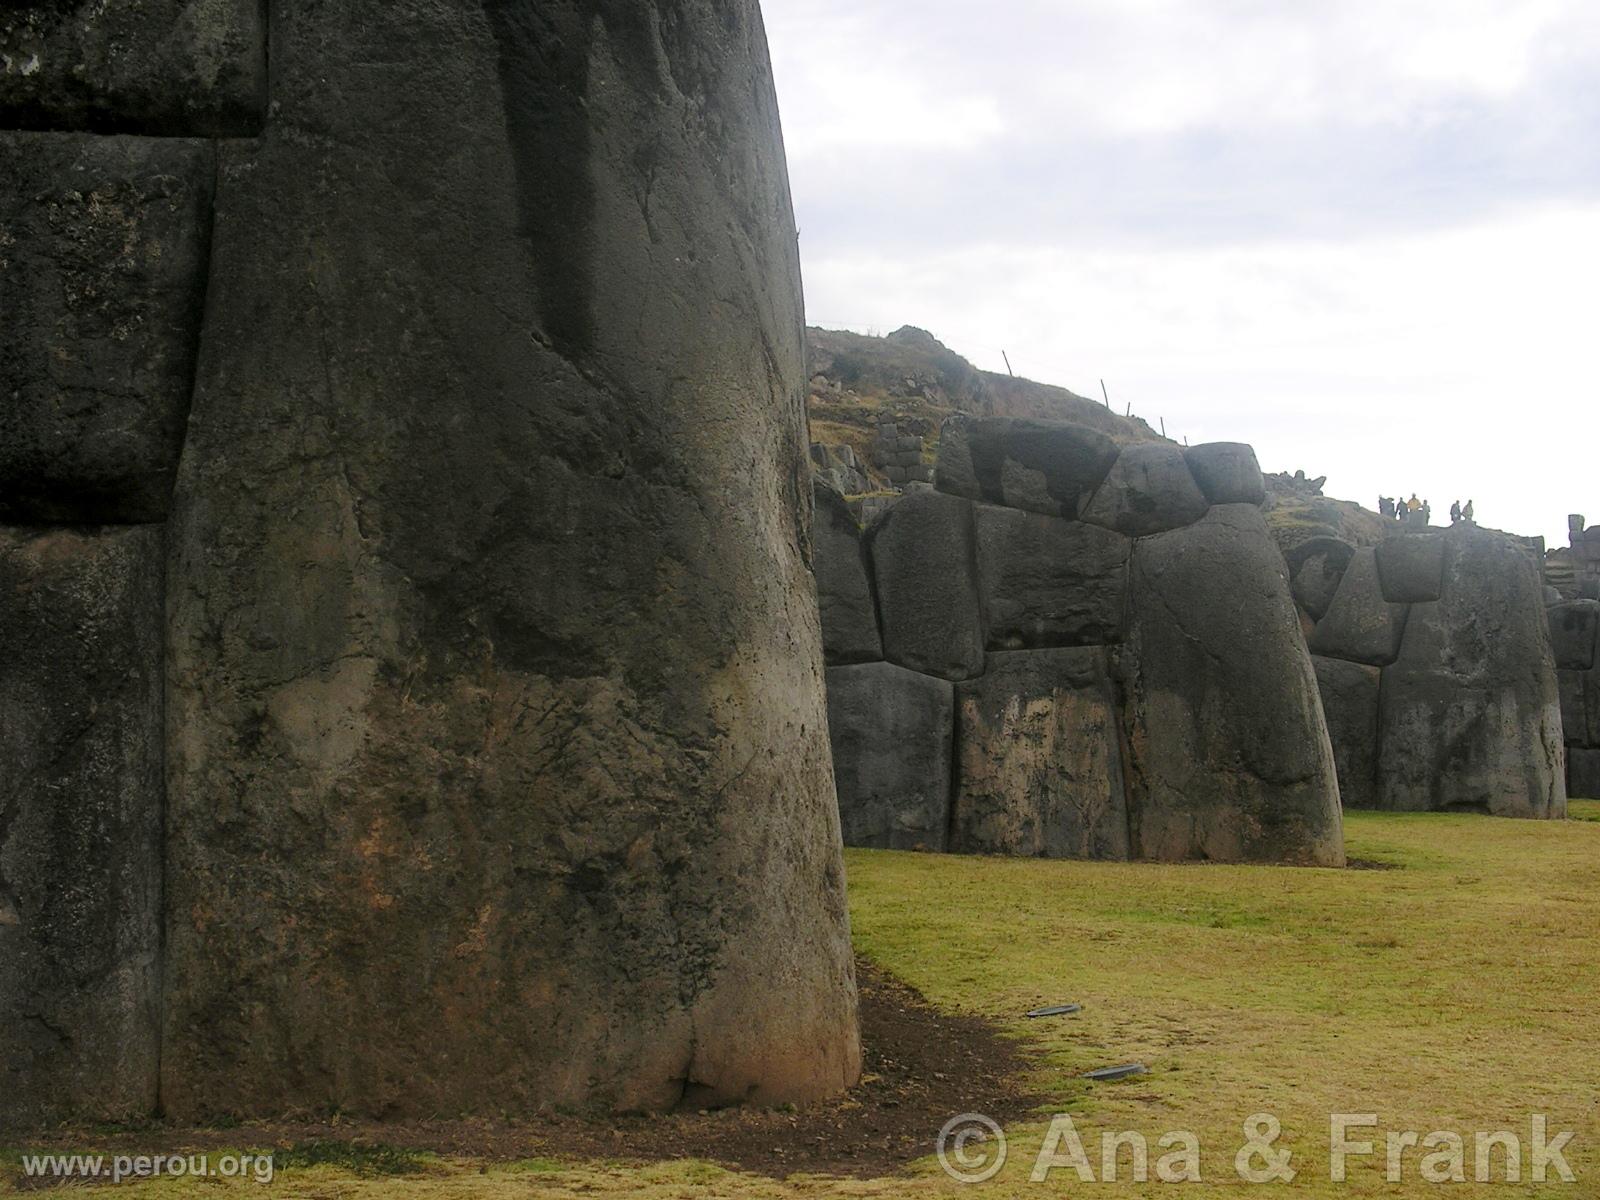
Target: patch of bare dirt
x=922 y=1066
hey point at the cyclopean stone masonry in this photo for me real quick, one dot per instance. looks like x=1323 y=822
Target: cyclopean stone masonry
x=1129 y=679
x=494 y=738
x=1435 y=671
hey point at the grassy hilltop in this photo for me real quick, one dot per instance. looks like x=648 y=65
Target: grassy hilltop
x=856 y=382
x=910 y=378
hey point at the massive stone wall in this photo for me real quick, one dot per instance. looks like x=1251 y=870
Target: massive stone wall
x=493 y=742
x=1086 y=652
x=1435 y=670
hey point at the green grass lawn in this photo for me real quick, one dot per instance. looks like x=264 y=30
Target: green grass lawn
x=1456 y=991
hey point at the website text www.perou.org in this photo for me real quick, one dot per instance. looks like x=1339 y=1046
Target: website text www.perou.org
x=117 y=1168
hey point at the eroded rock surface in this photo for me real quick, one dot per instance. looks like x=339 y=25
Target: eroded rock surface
x=1316 y=568
x=1229 y=755
x=499 y=769
x=1411 y=567
x=1149 y=490
x=167 y=67
x=1198 y=735
x=1038 y=466
x=1041 y=770
x=103 y=258
x=1574 y=628
x=80 y=823
x=844 y=595
x=1360 y=625
x=1045 y=581
x=1583 y=773
x=1350 y=704
x=1227 y=472
x=1470 y=713
x=1574 y=625
x=891 y=731
x=925 y=577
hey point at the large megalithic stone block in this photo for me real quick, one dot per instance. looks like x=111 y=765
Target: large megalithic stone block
x=891 y=731
x=195 y=68
x=499 y=771
x=1411 y=567
x=1574 y=625
x=1149 y=490
x=1040 y=767
x=1316 y=568
x=1572 y=688
x=926 y=582
x=1350 y=705
x=1227 y=472
x=103 y=248
x=844 y=595
x=1583 y=773
x=1360 y=625
x=1040 y=466
x=80 y=823
x=1589 y=682
x=1470 y=712
x=1046 y=581
x=1228 y=752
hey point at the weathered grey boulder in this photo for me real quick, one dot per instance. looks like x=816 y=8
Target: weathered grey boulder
x=1041 y=466
x=102 y=279
x=1350 y=705
x=1039 y=769
x=1227 y=472
x=891 y=730
x=924 y=574
x=1046 y=581
x=1229 y=754
x=1148 y=490
x=499 y=770
x=1315 y=568
x=1411 y=567
x=1470 y=712
x=188 y=67
x=1360 y=624
x=80 y=823
x=1583 y=773
x=1573 y=628
x=849 y=620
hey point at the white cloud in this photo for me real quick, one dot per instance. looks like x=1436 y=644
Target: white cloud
x=1127 y=67
x=1458 y=363
x=1361 y=235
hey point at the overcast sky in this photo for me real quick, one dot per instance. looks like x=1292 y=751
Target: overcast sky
x=1363 y=235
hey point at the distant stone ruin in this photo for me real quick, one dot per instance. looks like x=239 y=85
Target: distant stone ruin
x=409 y=671
x=1072 y=649
x=1573 y=571
x=899 y=455
x=1435 y=670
